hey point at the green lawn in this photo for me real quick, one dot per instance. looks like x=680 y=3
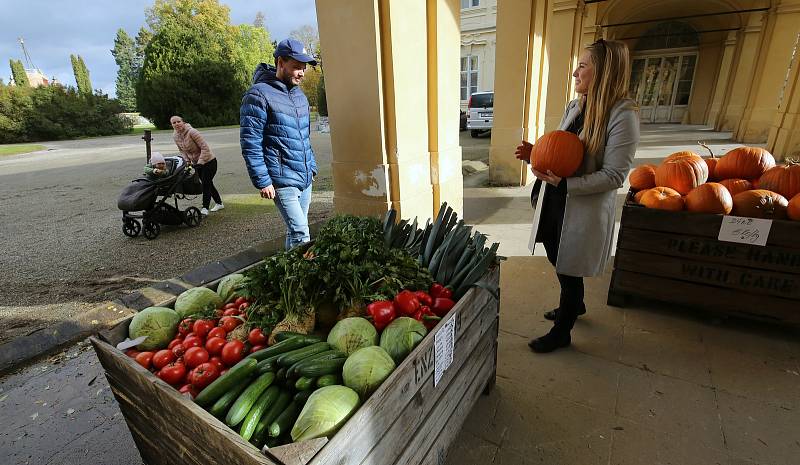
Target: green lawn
x=17 y=149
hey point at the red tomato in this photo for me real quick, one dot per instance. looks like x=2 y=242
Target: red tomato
x=217 y=360
x=144 y=359
x=192 y=341
x=195 y=356
x=214 y=345
x=233 y=352
x=256 y=337
x=172 y=373
x=185 y=326
x=202 y=327
x=204 y=375
x=230 y=305
x=178 y=351
x=229 y=323
x=217 y=332
x=257 y=348
x=175 y=342
x=132 y=353
x=189 y=389
x=163 y=358
x=239 y=301
x=231 y=312
x=244 y=306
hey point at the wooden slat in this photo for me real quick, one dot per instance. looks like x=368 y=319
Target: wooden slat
x=710 y=250
x=711 y=298
x=296 y=453
x=782 y=233
x=749 y=280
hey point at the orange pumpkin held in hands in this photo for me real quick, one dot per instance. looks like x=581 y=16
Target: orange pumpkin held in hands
x=744 y=163
x=736 y=186
x=682 y=171
x=760 y=203
x=558 y=151
x=643 y=177
x=662 y=198
x=710 y=197
x=793 y=211
x=783 y=179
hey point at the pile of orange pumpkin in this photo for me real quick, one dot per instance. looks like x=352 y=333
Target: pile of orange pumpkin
x=744 y=182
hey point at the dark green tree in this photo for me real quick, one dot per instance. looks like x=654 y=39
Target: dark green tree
x=322 y=100
x=19 y=74
x=143 y=38
x=81 y=73
x=124 y=53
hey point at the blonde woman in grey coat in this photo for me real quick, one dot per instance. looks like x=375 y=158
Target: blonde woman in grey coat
x=574 y=217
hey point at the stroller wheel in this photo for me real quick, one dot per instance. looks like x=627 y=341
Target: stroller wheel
x=131 y=227
x=192 y=217
x=151 y=229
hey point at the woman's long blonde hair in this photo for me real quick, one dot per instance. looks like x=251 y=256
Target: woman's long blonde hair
x=612 y=75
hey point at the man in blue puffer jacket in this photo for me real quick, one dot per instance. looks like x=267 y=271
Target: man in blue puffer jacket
x=274 y=135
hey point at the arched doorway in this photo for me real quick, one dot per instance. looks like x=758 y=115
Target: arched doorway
x=663 y=69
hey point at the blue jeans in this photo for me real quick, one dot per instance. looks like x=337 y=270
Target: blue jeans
x=293 y=205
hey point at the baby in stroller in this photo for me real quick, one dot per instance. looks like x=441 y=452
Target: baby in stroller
x=164 y=178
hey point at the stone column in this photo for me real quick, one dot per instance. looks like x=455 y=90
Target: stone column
x=744 y=69
x=723 y=82
x=521 y=72
x=784 y=134
x=562 y=41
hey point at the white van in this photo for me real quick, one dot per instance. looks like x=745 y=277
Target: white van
x=480 y=112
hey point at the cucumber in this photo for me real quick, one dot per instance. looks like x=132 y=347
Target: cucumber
x=237 y=374
x=322 y=367
x=262 y=428
x=247 y=398
x=280 y=375
x=284 y=335
x=290 y=358
x=262 y=404
x=285 y=420
x=327 y=355
x=293 y=343
x=328 y=380
x=302 y=396
x=268 y=364
x=304 y=383
x=221 y=406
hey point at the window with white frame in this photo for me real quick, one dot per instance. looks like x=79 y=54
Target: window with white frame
x=469 y=76
x=469 y=4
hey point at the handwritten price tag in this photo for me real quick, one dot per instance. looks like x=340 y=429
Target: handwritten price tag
x=744 y=230
x=444 y=342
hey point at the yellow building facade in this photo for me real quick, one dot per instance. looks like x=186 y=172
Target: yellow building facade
x=392 y=75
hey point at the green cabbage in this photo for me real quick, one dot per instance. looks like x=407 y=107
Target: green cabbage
x=401 y=336
x=325 y=412
x=159 y=324
x=228 y=288
x=351 y=334
x=197 y=300
x=366 y=369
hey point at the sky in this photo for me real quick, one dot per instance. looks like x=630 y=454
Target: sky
x=54 y=29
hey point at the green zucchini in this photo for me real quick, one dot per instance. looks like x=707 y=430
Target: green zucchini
x=262 y=428
x=293 y=343
x=247 y=398
x=329 y=380
x=262 y=404
x=304 y=383
x=285 y=420
x=322 y=367
x=327 y=355
x=284 y=335
x=239 y=373
x=290 y=358
x=221 y=406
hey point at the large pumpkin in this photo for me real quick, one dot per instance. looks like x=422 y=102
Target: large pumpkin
x=744 y=163
x=710 y=197
x=735 y=186
x=783 y=179
x=793 y=211
x=760 y=203
x=682 y=171
x=662 y=198
x=638 y=196
x=643 y=177
x=558 y=151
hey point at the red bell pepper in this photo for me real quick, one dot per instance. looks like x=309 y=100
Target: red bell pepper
x=442 y=305
x=427 y=317
x=381 y=313
x=406 y=303
x=435 y=290
x=446 y=293
x=424 y=298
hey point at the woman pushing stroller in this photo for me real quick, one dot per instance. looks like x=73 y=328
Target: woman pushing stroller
x=195 y=150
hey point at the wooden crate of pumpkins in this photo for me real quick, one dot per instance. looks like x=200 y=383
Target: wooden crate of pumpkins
x=670 y=246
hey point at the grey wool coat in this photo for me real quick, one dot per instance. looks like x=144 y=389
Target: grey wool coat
x=587 y=233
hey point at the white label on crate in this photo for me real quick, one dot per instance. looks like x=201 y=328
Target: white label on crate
x=744 y=230
x=127 y=343
x=444 y=342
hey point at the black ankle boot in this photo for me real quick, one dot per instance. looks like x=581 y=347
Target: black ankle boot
x=551 y=315
x=550 y=342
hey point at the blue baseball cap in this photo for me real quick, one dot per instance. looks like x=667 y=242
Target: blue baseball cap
x=293 y=48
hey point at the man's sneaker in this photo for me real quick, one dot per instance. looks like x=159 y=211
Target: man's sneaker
x=204 y=211
x=217 y=207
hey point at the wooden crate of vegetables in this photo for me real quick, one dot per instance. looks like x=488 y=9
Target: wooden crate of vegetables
x=669 y=247
x=325 y=354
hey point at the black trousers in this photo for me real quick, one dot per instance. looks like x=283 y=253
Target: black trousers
x=207 y=172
